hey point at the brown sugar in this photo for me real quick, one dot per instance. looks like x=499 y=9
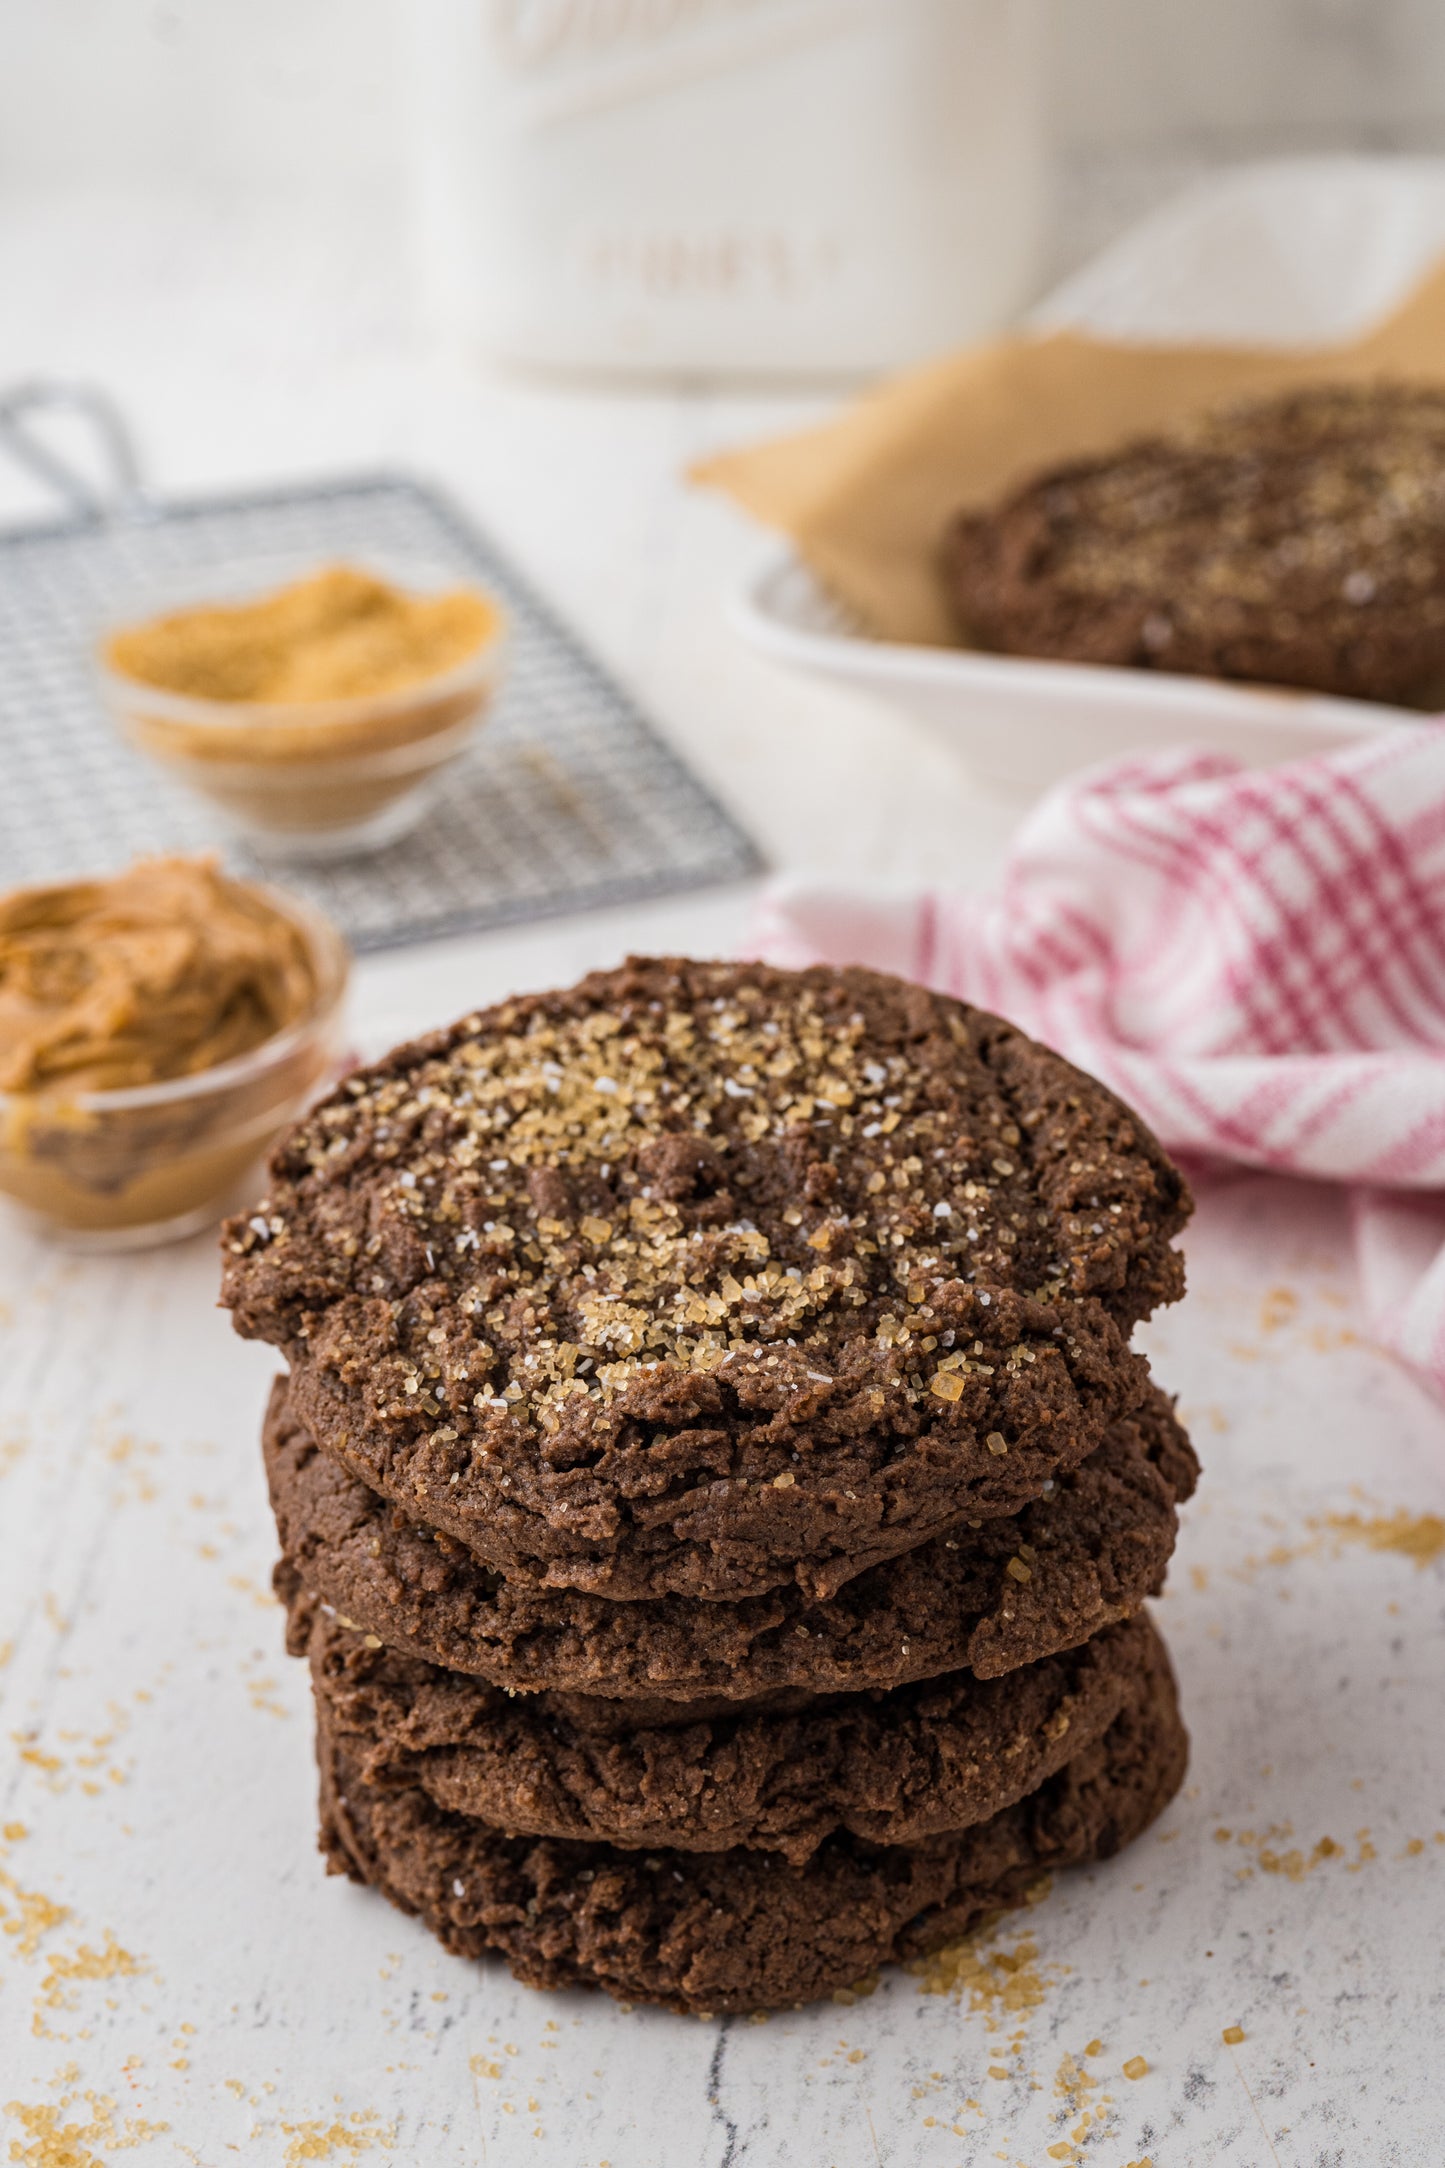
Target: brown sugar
x=1420 y=1536
x=314 y=712
x=341 y=634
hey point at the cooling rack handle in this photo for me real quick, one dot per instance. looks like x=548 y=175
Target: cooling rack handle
x=123 y=496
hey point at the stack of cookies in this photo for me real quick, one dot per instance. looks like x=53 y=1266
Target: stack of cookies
x=716 y=1491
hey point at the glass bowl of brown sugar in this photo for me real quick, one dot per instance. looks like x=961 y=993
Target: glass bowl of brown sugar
x=316 y=712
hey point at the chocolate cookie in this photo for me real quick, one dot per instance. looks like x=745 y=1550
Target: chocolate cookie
x=700 y=1278
x=1299 y=540
x=995 y=1597
x=738 y=1930
x=893 y=1768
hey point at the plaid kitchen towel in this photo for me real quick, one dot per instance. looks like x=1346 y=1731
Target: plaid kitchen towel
x=1254 y=958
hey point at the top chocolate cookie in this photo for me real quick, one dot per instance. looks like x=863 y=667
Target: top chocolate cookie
x=705 y=1277
x=1297 y=540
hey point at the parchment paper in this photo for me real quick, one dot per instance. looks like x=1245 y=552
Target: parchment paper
x=866 y=498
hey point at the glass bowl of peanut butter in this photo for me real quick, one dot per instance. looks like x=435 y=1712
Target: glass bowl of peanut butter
x=316 y=713
x=159 y=1029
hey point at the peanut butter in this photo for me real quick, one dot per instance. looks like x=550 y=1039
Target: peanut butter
x=157 y=1033
x=167 y=969
x=339 y=635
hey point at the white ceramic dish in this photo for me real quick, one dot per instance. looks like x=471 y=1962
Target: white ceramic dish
x=1024 y=724
x=1187 y=272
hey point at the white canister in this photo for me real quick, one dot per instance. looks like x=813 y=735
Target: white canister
x=729 y=186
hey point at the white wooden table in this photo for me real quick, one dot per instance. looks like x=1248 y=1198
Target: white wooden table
x=175 y=1970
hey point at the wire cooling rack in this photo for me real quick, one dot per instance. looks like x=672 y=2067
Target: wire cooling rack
x=567 y=800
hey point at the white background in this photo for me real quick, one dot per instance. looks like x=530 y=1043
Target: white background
x=311 y=93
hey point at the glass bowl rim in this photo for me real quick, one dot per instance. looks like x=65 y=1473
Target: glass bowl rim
x=474 y=671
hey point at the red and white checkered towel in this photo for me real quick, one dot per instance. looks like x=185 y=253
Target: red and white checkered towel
x=1255 y=959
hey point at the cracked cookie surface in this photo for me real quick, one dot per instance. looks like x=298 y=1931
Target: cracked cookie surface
x=702 y=1278
x=1004 y=1594
x=1296 y=540
x=890 y=1768
x=739 y=1930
